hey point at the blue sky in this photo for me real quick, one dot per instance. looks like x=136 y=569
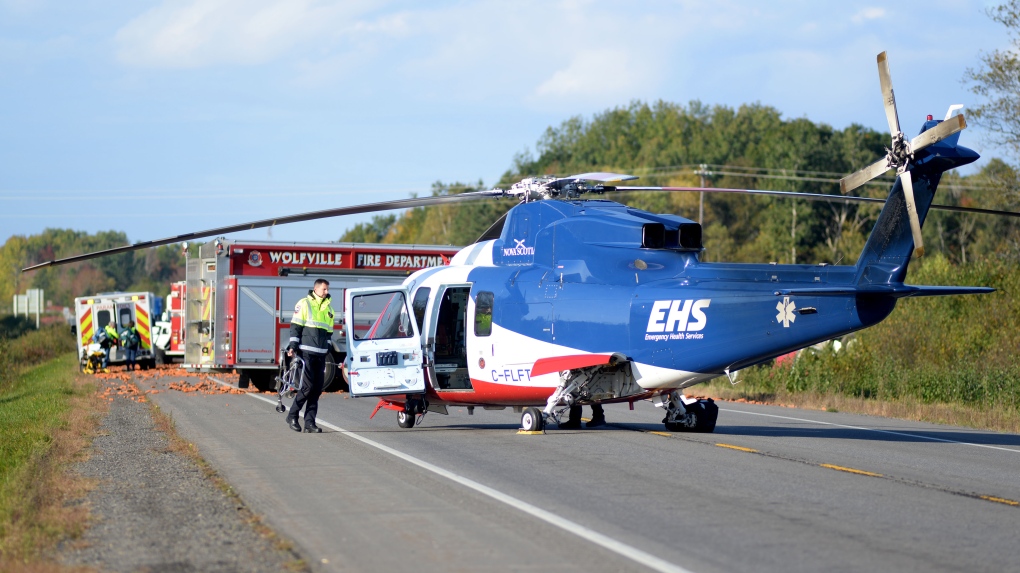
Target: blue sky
x=166 y=116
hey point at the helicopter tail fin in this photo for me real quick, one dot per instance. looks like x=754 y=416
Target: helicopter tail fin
x=887 y=252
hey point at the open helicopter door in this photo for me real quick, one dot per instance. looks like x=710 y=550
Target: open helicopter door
x=446 y=347
x=383 y=345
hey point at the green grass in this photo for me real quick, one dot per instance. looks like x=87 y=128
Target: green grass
x=42 y=424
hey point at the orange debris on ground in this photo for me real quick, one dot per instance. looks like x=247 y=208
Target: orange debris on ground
x=130 y=390
x=204 y=386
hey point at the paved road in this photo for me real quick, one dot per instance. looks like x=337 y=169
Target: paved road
x=773 y=489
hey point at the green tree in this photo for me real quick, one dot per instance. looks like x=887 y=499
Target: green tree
x=372 y=232
x=997 y=80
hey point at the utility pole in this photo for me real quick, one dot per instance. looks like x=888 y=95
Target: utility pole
x=793 y=235
x=703 y=172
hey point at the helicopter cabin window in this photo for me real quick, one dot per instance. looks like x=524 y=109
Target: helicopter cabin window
x=418 y=305
x=483 y=313
x=381 y=316
x=451 y=341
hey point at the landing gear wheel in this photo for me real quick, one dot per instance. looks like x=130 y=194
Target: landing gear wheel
x=405 y=419
x=700 y=417
x=532 y=421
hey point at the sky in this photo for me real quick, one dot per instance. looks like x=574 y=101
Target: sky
x=159 y=117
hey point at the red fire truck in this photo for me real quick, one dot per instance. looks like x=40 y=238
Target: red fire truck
x=241 y=296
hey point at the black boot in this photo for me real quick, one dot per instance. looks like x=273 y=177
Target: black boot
x=293 y=423
x=311 y=428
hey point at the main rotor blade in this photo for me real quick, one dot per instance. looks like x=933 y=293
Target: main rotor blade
x=326 y=213
x=858 y=178
x=955 y=124
x=888 y=97
x=915 y=225
x=816 y=197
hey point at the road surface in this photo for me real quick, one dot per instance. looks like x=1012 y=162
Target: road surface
x=773 y=489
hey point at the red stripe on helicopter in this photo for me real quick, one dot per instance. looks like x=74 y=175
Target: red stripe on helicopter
x=561 y=363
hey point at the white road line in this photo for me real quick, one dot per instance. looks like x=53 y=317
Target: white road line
x=632 y=553
x=918 y=436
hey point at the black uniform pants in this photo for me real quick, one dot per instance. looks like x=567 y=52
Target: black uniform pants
x=597 y=413
x=311 y=387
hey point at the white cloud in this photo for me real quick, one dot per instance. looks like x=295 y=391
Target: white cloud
x=198 y=33
x=595 y=69
x=872 y=13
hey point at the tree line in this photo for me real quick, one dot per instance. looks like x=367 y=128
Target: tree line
x=150 y=270
x=751 y=147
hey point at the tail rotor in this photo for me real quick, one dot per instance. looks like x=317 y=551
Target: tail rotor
x=900 y=155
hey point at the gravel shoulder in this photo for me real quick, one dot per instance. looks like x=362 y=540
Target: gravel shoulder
x=158 y=510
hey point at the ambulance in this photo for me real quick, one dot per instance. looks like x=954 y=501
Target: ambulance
x=93 y=313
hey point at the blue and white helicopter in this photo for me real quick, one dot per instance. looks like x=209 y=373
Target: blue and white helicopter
x=571 y=301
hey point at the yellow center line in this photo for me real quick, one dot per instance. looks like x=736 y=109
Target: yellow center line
x=851 y=470
x=1000 y=500
x=741 y=448
x=991 y=498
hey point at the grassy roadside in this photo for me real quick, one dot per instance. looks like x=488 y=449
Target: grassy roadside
x=48 y=414
x=993 y=417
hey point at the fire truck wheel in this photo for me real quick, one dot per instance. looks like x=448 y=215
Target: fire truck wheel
x=330 y=381
x=243 y=378
x=264 y=380
x=160 y=357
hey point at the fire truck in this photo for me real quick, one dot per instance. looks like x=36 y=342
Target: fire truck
x=241 y=296
x=93 y=313
x=168 y=331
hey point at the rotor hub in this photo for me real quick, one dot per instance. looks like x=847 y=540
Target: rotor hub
x=900 y=154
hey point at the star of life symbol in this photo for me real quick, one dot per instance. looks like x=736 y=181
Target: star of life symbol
x=786 y=315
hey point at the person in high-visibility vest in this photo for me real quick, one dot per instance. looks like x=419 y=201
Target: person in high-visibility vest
x=129 y=341
x=310 y=331
x=107 y=338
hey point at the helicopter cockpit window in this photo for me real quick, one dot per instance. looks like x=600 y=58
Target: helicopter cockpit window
x=381 y=316
x=483 y=313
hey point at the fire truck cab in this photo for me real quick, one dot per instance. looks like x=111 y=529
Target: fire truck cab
x=168 y=331
x=241 y=296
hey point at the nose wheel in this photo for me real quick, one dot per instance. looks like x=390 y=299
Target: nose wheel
x=532 y=420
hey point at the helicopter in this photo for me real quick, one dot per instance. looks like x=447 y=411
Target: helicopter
x=568 y=300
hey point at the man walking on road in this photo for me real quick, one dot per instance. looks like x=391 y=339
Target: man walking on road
x=310 y=331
